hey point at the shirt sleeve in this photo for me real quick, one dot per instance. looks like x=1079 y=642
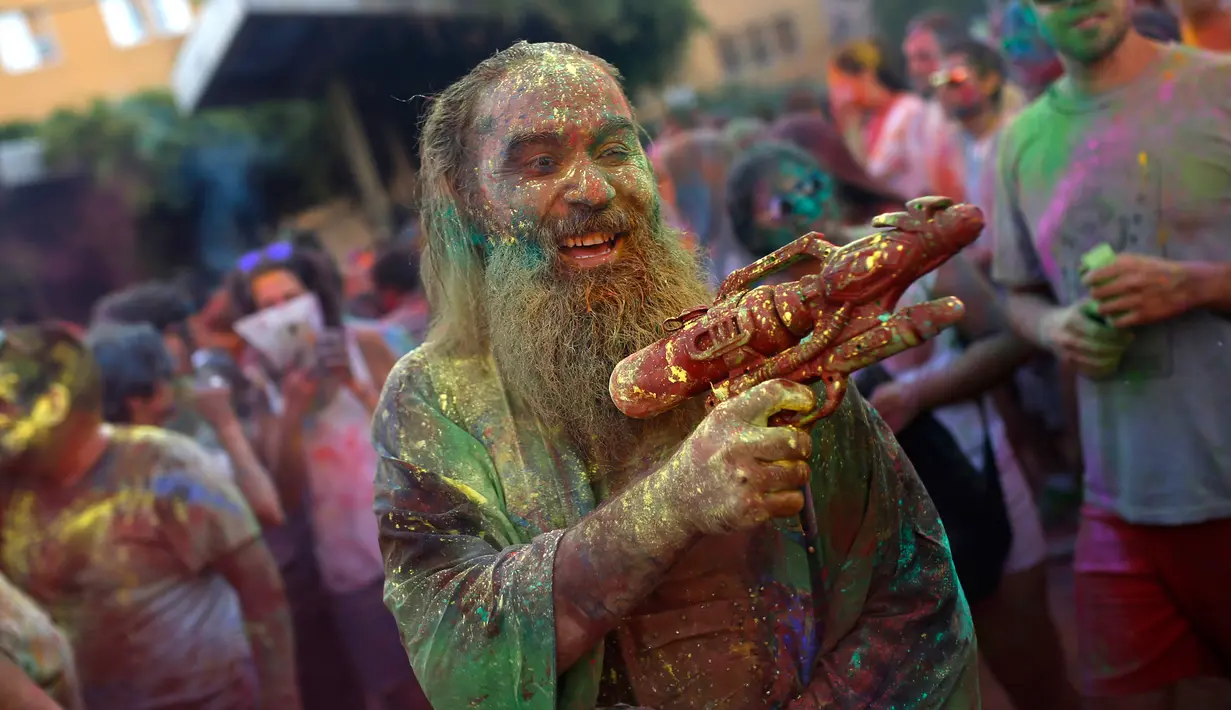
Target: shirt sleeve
x=204 y=516
x=899 y=632
x=472 y=597
x=1015 y=263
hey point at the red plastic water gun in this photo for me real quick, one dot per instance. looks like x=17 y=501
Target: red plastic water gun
x=823 y=327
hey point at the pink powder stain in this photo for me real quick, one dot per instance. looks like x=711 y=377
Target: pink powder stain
x=1108 y=145
x=1166 y=91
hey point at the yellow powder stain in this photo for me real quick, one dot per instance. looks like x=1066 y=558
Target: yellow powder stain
x=678 y=374
x=466 y=490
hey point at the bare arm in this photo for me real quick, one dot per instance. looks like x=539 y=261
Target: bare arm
x=18 y=692
x=282 y=443
x=251 y=476
x=995 y=351
x=1027 y=309
x=252 y=572
x=608 y=564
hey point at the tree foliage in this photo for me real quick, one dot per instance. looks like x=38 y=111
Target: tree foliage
x=644 y=39
x=145 y=145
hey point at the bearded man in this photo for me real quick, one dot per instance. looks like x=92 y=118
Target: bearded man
x=542 y=550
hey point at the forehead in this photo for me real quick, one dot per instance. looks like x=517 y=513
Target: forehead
x=556 y=94
x=922 y=39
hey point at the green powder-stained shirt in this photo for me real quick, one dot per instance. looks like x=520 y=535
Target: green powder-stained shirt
x=473 y=495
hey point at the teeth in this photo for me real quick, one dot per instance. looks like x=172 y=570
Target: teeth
x=588 y=240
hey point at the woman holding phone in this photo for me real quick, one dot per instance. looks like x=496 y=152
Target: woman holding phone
x=316 y=439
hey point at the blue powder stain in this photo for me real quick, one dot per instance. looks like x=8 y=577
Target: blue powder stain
x=180 y=485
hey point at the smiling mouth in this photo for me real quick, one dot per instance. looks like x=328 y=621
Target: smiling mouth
x=589 y=250
x=1088 y=22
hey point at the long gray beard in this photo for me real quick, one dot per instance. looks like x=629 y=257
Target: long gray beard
x=557 y=336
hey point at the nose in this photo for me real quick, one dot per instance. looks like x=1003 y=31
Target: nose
x=587 y=186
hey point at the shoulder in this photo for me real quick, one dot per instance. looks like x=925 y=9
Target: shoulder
x=428 y=381
x=1024 y=124
x=155 y=450
x=1203 y=76
x=173 y=465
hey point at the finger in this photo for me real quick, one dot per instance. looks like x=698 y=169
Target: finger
x=783 y=505
x=1100 y=363
x=765 y=400
x=1123 y=303
x=778 y=476
x=782 y=443
x=909 y=327
x=1128 y=284
x=1109 y=273
x=1090 y=347
x=1088 y=329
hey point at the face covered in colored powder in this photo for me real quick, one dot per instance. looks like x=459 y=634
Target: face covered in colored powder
x=580 y=270
x=1084 y=31
x=793 y=198
x=962 y=91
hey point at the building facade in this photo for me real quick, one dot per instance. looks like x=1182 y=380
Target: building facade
x=762 y=43
x=66 y=53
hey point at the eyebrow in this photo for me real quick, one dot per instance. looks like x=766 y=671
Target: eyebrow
x=610 y=126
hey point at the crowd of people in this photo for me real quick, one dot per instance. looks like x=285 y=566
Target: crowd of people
x=186 y=521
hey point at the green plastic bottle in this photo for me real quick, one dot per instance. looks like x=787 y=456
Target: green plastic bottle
x=1098 y=257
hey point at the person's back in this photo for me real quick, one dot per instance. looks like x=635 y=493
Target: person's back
x=1145 y=168
x=120 y=560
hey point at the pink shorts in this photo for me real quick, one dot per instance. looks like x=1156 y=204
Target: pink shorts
x=1153 y=603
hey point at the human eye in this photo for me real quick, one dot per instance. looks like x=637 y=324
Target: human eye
x=616 y=151
x=541 y=164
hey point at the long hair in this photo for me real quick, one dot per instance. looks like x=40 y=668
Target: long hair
x=453 y=257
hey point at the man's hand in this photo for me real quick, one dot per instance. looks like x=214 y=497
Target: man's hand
x=1076 y=338
x=897 y=402
x=1141 y=290
x=735 y=471
x=212 y=399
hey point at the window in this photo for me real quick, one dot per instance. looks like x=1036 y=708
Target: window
x=171 y=17
x=26 y=41
x=125 y=24
x=728 y=51
x=788 y=41
x=758 y=38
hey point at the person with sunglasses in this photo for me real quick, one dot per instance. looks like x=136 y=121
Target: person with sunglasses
x=970 y=85
x=934 y=399
x=317 y=442
x=1127 y=155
